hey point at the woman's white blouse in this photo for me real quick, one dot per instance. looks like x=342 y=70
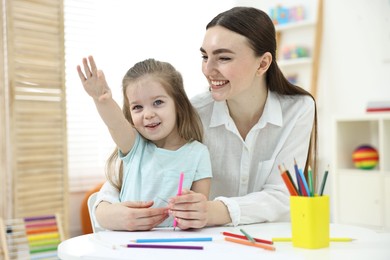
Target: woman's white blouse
x=246 y=177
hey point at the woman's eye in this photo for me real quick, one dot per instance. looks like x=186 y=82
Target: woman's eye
x=224 y=58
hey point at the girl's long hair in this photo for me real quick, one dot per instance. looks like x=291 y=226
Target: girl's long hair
x=188 y=122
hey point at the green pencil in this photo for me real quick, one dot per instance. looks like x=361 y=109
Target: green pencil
x=250 y=238
x=311 y=187
x=323 y=182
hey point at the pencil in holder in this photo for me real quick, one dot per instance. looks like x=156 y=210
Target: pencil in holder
x=310 y=218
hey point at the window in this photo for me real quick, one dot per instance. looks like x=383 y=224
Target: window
x=89 y=143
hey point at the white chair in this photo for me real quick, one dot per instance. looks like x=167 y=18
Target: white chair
x=91 y=203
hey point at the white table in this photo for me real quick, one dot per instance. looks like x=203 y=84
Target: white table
x=368 y=244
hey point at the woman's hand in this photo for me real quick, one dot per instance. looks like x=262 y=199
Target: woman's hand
x=93 y=80
x=130 y=215
x=190 y=209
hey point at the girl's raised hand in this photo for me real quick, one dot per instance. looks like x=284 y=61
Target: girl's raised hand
x=93 y=80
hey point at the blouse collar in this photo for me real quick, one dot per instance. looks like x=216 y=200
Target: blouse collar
x=272 y=113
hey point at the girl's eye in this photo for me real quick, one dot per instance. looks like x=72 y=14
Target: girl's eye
x=158 y=102
x=137 y=107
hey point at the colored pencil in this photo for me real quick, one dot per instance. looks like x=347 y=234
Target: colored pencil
x=178 y=239
x=163 y=246
x=249 y=237
x=290 y=188
x=288 y=181
x=248 y=243
x=299 y=181
x=244 y=237
x=311 y=186
x=332 y=239
x=323 y=182
x=291 y=180
x=341 y=239
x=179 y=190
x=305 y=187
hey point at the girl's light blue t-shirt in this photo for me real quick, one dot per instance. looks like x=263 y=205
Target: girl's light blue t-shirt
x=152 y=173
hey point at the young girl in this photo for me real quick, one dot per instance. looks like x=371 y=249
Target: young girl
x=158 y=135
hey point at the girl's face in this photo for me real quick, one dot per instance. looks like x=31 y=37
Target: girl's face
x=153 y=111
x=229 y=64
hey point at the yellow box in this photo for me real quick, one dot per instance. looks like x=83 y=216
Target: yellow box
x=310 y=219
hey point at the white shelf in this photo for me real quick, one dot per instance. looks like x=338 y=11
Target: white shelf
x=294 y=25
x=307 y=34
x=294 y=62
x=361 y=197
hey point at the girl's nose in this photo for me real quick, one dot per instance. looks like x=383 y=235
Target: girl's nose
x=149 y=113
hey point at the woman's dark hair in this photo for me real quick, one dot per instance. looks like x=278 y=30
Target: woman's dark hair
x=257 y=27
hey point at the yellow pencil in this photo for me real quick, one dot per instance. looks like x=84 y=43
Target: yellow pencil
x=332 y=239
x=249 y=243
x=341 y=239
x=281 y=239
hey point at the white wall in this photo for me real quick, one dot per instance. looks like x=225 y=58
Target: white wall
x=169 y=30
x=355 y=58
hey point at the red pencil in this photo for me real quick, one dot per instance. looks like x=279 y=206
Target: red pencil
x=244 y=237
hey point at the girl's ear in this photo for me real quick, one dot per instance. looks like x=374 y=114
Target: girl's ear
x=265 y=62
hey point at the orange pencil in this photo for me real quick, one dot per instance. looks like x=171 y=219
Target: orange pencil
x=248 y=243
x=290 y=188
x=287 y=181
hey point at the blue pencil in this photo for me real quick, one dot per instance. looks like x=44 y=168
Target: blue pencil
x=305 y=186
x=177 y=239
x=297 y=175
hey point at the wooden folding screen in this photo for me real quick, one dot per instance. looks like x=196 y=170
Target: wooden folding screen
x=33 y=123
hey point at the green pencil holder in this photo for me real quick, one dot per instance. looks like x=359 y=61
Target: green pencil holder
x=310 y=219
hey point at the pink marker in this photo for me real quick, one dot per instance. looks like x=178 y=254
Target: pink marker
x=179 y=193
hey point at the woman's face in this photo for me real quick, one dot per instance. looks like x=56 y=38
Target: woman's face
x=229 y=64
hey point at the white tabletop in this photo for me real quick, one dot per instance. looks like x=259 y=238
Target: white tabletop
x=367 y=244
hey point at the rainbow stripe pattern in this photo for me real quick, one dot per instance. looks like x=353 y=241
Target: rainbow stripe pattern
x=31 y=237
x=365 y=157
x=43 y=236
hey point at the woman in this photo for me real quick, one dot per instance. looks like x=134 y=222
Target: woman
x=253 y=119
